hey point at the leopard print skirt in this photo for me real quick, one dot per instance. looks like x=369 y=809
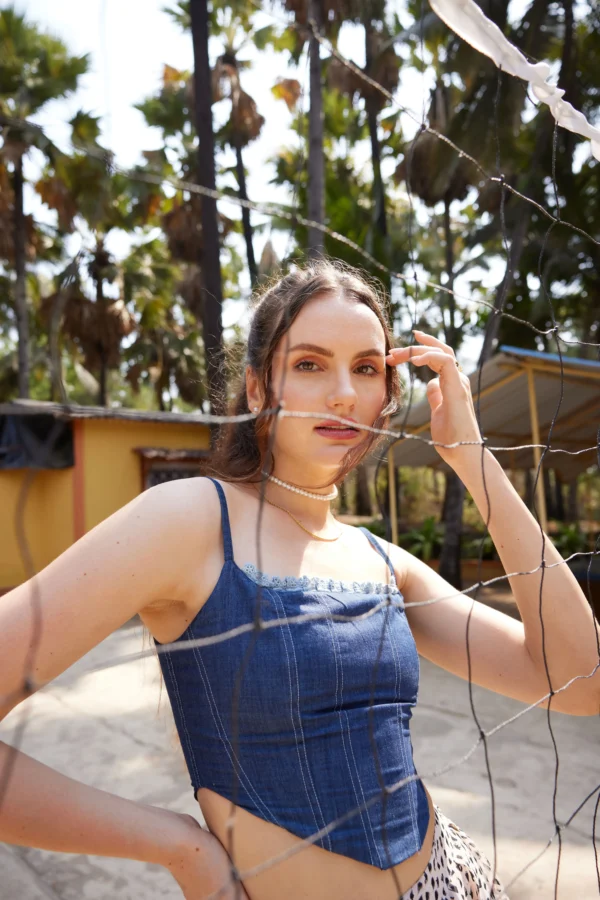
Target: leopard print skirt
x=457 y=869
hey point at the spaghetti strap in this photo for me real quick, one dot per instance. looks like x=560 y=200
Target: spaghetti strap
x=225 y=527
x=379 y=548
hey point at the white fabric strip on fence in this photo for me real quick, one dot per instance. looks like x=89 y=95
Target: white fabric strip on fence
x=468 y=21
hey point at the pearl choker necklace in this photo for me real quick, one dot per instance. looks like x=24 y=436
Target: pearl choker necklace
x=297 y=490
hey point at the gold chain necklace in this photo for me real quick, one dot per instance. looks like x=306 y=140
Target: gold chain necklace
x=303 y=527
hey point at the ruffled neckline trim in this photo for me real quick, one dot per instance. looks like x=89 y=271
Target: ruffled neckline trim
x=314 y=583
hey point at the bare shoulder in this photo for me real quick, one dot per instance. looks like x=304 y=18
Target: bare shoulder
x=189 y=509
x=399 y=558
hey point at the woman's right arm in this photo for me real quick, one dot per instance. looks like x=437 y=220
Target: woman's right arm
x=139 y=555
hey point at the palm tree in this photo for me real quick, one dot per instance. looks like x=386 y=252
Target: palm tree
x=180 y=214
x=166 y=352
x=34 y=68
x=382 y=66
x=312 y=16
x=244 y=124
x=438 y=175
x=212 y=291
x=530 y=181
x=316 y=158
x=81 y=187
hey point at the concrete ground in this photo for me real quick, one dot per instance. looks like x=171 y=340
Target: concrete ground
x=104 y=729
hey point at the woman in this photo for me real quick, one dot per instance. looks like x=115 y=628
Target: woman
x=300 y=724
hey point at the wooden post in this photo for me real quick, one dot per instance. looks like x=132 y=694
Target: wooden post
x=535 y=439
x=392 y=494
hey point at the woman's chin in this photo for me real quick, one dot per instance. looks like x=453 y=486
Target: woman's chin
x=329 y=460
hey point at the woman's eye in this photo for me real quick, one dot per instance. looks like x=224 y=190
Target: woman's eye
x=305 y=362
x=373 y=371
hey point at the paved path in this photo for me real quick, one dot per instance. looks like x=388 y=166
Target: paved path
x=103 y=728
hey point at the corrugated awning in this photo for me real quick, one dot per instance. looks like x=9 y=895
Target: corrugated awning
x=510 y=381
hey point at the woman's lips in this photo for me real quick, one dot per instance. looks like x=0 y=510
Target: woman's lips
x=337 y=432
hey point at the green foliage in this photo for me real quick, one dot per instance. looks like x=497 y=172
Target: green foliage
x=471 y=547
x=34 y=67
x=424 y=542
x=453 y=207
x=170 y=109
x=270 y=36
x=348 y=190
x=569 y=538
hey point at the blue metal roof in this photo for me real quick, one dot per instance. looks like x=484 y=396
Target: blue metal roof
x=551 y=357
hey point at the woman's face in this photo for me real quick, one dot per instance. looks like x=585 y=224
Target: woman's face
x=330 y=362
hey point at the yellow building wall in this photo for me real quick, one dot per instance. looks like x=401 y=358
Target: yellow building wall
x=47 y=520
x=112 y=469
x=109 y=475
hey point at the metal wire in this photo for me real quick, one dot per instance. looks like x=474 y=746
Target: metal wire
x=258 y=625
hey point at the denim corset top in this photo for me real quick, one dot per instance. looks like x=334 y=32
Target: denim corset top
x=304 y=720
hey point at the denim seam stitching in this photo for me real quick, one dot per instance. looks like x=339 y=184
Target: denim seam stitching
x=338 y=659
x=287 y=628
x=222 y=733
x=409 y=786
x=183 y=719
x=381 y=866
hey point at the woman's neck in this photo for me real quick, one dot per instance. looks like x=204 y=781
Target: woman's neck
x=312 y=509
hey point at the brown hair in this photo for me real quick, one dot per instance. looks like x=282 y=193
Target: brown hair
x=241 y=449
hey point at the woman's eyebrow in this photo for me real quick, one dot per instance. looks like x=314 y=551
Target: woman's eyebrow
x=372 y=351
x=314 y=348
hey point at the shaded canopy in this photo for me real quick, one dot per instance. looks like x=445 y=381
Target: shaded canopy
x=506 y=419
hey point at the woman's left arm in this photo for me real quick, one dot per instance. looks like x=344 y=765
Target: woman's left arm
x=570 y=634
x=570 y=637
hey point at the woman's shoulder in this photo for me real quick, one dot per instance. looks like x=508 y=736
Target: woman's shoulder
x=195 y=507
x=190 y=512
x=398 y=556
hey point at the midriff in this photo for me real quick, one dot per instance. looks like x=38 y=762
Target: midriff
x=311 y=873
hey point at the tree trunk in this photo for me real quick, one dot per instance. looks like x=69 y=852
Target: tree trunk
x=21 y=311
x=548 y=493
x=529 y=189
x=572 y=504
x=247 y=227
x=57 y=390
x=514 y=258
x=559 y=504
x=316 y=158
x=103 y=373
x=386 y=503
x=363 y=497
x=450 y=328
x=212 y=292
x=454 y=494
x=379 y=210
x=450 y=567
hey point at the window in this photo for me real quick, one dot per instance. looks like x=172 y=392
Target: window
x=159 y=464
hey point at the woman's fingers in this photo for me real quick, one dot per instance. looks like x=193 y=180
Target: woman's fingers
x=430 y=342
x=437 y=359
x=433 y=342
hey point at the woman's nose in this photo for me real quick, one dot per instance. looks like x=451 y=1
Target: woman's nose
x=342 y=390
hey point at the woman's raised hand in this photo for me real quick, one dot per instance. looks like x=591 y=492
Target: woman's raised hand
x=201 y=866
x=453 y=416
